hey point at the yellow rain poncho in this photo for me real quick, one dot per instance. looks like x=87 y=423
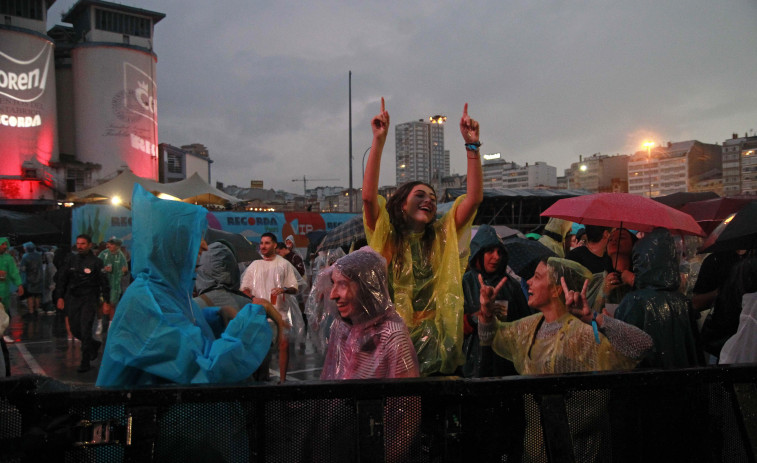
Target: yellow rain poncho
x=428 y=293
x=567 y=344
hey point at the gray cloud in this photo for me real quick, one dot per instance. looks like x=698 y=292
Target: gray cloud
x=264 y=84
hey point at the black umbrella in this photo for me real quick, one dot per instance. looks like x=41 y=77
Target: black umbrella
x=524 y=255
x=345 y=234
x=738 y=233
x=243 y=249
x=25 y=226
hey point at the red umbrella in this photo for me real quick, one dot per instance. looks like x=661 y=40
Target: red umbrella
x=624 y=210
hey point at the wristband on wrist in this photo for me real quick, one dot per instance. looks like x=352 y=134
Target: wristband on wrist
x=473 y=146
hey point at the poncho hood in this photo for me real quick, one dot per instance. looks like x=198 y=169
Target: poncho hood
x=218 y=269
x=655 y=261
x=166 y=262
x=486 y=238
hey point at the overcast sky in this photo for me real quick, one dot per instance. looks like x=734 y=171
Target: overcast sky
x=264 y=84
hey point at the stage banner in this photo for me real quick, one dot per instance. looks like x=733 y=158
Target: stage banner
x=102 y=221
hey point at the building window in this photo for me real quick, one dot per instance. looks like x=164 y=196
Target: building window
x=174 y=164
x=30 y=9
x=121 y=23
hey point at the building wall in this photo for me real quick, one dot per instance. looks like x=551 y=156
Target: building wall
x=115 y=111
x=198 y=166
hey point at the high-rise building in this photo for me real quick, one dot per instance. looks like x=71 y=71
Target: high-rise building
x=672 y=168
x=420 y=153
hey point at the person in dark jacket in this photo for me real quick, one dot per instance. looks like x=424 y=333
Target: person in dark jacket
x=82 y=283
x=657 y=307
x=488 y=258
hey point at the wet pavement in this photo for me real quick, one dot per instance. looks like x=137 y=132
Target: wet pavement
x=42 y=347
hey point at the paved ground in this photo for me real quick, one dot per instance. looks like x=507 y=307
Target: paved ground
x=42 y=348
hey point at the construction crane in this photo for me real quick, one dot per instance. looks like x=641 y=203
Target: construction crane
x=305 y=180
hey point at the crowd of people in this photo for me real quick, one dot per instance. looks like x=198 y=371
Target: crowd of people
x=423 y=298
x=426 y=296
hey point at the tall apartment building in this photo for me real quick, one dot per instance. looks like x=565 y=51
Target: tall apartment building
x=499 y=173
x=420 y=153
x=739 y=165
x=672 y=168
x=599 y=173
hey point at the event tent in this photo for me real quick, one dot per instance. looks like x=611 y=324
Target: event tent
x=192 y=190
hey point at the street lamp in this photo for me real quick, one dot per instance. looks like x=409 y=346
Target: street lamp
x=649 y=145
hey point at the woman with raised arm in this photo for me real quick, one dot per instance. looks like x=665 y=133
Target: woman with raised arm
x=426 y=256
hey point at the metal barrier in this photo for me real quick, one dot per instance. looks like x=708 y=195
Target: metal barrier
x=707 y=414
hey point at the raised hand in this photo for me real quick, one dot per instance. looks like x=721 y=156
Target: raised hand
x=486 y=297
x=576 y=302
x=380 y=123
x=468 y=127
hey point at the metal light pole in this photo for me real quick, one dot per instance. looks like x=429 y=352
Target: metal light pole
x=366 y=152
x=649 y=146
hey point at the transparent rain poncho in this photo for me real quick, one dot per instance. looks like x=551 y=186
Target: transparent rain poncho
x=373 y=341
x=262 y=276
x=740 y=348
x=567 y=344
x=427 y=290
x=656 y=306
x=556 y=228
x=158 y=334
x=319 y=308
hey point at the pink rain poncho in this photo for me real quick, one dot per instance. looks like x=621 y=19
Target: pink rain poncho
x=374 y=341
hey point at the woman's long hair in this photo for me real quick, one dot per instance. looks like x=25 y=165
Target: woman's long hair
x=399 y=222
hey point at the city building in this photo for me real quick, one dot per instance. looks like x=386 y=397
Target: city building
x=177 y=164
x=675 y=167
x=599 y=173
x=420 y=153
x=739 y=165
x=499 y=173
x=83 y=101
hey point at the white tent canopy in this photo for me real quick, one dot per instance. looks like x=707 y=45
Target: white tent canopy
x=192 y=190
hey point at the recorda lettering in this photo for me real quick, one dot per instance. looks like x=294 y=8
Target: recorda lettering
x=143 y=145
x=20 y=121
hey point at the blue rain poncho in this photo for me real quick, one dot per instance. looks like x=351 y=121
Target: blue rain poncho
x=158 y=334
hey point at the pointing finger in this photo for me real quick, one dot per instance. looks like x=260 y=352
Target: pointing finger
x=383 y=110
x=465 y=110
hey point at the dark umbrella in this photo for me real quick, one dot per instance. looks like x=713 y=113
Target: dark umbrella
x=243 y=249
x=711 y=212
x=26 y=226
x=345 y=234
x=524 y=255
x=737 y=233
x=314 y=239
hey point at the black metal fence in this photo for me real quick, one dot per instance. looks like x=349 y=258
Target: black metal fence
x=707 y=414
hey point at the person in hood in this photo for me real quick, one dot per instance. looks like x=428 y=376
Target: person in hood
x=488 y=258
x=369 y=339
x=657 y=307
x=159 y=335
x=554 y=235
